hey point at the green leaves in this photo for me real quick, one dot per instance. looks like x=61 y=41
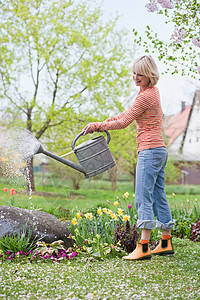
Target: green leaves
x=180 y=53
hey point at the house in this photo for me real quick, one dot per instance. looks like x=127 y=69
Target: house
x=183 y=133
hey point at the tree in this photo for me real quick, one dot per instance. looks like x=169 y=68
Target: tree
x=60 y=64
x=124 y=149
x=181 y=53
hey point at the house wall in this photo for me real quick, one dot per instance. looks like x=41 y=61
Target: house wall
x=173 y=149
x=191 y=148
x=193 y=169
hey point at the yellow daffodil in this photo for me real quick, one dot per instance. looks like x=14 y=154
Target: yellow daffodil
x=78 y=215
x=99 y=211
x=105 y=210
x=126 y=218
x=133 y=195
x=173 y=195
x=120 y=211
x=97 y=236
x=113 y=216
x=126 y=195
x=196 y=199
x=116 y=203
x=74 y=221
x=109 y=212
x=88 y=216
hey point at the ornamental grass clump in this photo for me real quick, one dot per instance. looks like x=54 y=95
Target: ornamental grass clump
x=22 y=241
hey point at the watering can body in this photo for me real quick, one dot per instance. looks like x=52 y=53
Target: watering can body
x=94 y=155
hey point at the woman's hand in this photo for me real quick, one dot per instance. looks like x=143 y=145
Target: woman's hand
x=87 y=129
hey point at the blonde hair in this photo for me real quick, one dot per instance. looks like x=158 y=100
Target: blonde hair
x=145 y=65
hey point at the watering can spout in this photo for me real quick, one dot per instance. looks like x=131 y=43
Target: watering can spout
x=40 y=149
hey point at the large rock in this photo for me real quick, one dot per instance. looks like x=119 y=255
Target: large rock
x=46 y=227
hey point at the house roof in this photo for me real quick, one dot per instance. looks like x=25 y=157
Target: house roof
x=174 y=125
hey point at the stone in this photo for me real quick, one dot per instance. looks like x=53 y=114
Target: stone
x=45 y=226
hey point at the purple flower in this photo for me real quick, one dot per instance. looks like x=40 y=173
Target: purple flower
x=34 y=256
x=25 y=253
x=9 y=257
x=46 y=256
x=74 y=254
x=21 y=252
x=41 y=257
x=30 y=251
x=129 y=206
x=8 y=252
x=63 y=255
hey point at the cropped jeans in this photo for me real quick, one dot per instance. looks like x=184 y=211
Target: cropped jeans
x=150 y=197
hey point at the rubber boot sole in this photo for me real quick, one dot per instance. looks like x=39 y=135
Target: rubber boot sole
x=164 y=252
x=144 y=257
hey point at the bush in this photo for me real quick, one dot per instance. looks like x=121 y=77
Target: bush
x=126 y=237
x=195 y=231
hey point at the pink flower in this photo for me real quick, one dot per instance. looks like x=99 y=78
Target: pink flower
x=178 y=35
x=12 y=191
x=166 y=4
x=196 y=42
x=129 y=206
x=5 y=189
x=151 y=6
x=198 y=69
x=9 y=257
x=8 y=252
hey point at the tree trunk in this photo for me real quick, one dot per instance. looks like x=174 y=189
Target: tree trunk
x=30 y=177
x=134 y=176
x=113 y=177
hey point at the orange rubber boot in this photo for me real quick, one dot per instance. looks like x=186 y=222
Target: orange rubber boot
x=142 y=251
x=164 y=247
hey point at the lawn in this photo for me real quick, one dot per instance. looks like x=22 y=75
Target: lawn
x=167 y=277
x=162 y=277
x=55 y=193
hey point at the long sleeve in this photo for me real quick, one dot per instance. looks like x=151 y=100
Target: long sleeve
x=142 y=102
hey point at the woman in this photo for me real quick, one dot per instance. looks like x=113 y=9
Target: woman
x=150 y=197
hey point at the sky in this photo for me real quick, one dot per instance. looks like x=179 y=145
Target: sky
x=132 y=14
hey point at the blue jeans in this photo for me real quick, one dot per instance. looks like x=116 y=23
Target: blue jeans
x=150 y=196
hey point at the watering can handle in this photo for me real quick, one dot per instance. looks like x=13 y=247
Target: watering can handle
x=81 y=133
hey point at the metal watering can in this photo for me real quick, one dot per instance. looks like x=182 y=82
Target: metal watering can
x=93 y=155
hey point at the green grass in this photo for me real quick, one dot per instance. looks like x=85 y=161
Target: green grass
x=166 y=277
x=162 y=277
x=90 y=194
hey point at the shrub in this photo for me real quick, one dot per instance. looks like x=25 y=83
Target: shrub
x=126 y=237
x=195 y=231
x=182 y=227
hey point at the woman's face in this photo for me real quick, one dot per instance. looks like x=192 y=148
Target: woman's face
x=141 y=80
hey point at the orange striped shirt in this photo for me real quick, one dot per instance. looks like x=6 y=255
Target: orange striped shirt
x=147 y=112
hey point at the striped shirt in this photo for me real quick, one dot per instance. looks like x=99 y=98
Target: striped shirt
x=147 y=112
